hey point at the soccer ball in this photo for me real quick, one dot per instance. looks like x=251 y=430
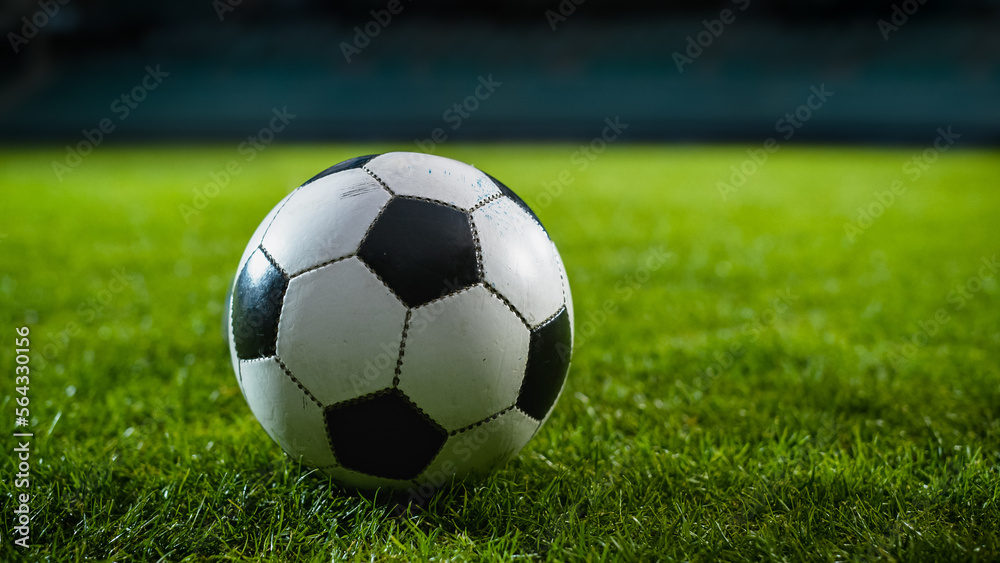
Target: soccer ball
x=401 y=319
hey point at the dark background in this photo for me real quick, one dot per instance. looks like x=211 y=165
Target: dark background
x=608 y=58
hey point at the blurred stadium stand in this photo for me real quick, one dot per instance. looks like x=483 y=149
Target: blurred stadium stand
x=608 y=58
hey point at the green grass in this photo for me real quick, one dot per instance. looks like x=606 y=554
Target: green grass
x=823 y=438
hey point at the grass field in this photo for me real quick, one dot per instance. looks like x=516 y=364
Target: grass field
x=751 y=381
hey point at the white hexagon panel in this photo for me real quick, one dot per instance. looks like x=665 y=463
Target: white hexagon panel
x=290 y=416
x=340 y=331
x=459 y=385
x=258 y=235
x=519 y=260
x=567 y=292
x=434 y=178
x=479 y=449
x=324 y=220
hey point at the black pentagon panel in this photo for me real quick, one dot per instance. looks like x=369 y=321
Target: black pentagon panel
x=422 y=250
x=517 y=199
x=356 y=162
x=548 y=361
x=257 y=298
x=383 y=435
